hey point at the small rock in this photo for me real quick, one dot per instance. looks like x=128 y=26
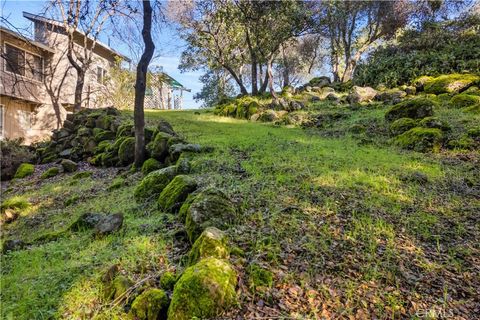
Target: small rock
x=12 y=245
x=109 y=224
x=69 y=165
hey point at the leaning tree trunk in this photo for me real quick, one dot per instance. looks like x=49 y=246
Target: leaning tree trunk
x=141 y=84
x=270 y=78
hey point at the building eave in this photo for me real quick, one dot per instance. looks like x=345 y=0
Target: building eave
x=27 y=40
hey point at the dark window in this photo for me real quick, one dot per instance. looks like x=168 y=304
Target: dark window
x=34 y=68
x=14 y=60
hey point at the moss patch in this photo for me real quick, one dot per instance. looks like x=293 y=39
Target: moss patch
x=52 y=172
x=464 y=100
x=259 y=277
x=211 y=243
x=450 y=83
x=420 y=139
x=176 y=192
x=24 y=170
x=158 y=148
x=153 y=183
x=151 y=165
x=168 y=280
x=402 y=125
x=126 y=152
x=151 y=304
x=204 y=290
x=417 y=108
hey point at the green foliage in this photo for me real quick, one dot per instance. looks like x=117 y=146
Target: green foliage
x=436 y=48
x=464 y=100
x=420 y=139
x=49 y=173
x=204 y=290
x=259 y=277
x=24 y=170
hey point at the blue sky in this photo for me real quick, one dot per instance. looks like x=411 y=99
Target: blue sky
x=167 y=55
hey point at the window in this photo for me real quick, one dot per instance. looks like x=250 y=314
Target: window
x=23 y=63
x=2 y=119
x=101 y=75
x=25 y=118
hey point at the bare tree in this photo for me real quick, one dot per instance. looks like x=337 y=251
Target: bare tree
x=141 y=83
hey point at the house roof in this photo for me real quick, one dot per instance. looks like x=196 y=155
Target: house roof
x=28 y=40
x=35 y=17
x=172 y=82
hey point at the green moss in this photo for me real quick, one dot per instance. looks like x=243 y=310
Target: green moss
x=151 y=304
x=402 y=125
x=168 y=280
x=125 y=130
x=82 y=175
x=259 y=277
x=52 y=172
x=420 y=139
x=104 y=121
x=126 y=152
x=153 y=183
x=103 y=146
x=117 y=288
x=204 y=290
x=151 y=165
x=209 y=208
x=117 y=183
x=211 y=243
x=68 y=165
x=176 y=192
x=464 y=100
x=475 y=109
x=420 y=82
x=474 y=133
x=416 y=108
x=462 y=143
x=473 y=90
x=434 y=122
x=450 y=83
x=102 y=135
x=14 y=203
x=158 y=148
x=24 y=170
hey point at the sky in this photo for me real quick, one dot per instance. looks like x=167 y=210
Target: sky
x=167 y=53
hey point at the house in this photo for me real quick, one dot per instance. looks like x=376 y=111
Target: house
x=163 y=91
x=33 y=71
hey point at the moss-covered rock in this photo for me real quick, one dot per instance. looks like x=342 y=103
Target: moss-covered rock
x=417 y=108
x=68 y=165
x=117 y=183
x=158 y=148
x=125 y=130
x=104 y=121
x=14 y=203
x=176 y=192
x=268 y=116
x=117 y=288
x=419 y=83
x=103 y=146
x=24 y=170
x=168 y=280
x=402 y=125
x=164 y=126
x=475 y=109
x=151 y=165
x=450 y=83
x=434 y=122
x=52 y=172
x=420 y=139
x=204 y=290
x=474 y=133
x=102 y=135
x=391 y=95
x=473 y=90
x=82 y=175
x=126 y=152
x=463 y=142
x=211 y=243
x=151 y=304
x=259 y=277
x=209 y=208
x=464 y=100
x=154 y=183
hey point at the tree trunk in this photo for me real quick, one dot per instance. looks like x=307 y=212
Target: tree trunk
x=141 y=84
x=254 y=76
x=264 y=85
x=239 y=81
x=79 y=90
x=286 y=77
x=270 y=78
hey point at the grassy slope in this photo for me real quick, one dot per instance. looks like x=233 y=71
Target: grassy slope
x=346 y=228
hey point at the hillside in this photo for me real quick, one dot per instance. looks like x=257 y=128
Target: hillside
x=329 y=222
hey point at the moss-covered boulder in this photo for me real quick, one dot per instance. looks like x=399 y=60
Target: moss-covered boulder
x=68 y=165
x=24 y=170
x=402 y=125
x=464 y=100
x=420 y=139
x=211 y=243
x=154 y=183
x=267 y=116
x=175 y=193
x=450 y=83
x=209 y=208
x=391 y=95
x=151 y=304
x=419 y=83
x=125 y=130
x=126 y=152
x=417 y=108
x=165 y=126
x=168 y=280
x=434 y=122
x=151 y=165
x=49 y=173
x=104 y=121
x=473 y=90
x=204 y=290
x=158 y=148
x=117 y=288
x=102 y=135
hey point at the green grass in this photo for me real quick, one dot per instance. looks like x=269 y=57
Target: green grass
x=347 y=221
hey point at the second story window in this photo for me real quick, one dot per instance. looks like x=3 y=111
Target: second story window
x=101 y=75
x=23 y=63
